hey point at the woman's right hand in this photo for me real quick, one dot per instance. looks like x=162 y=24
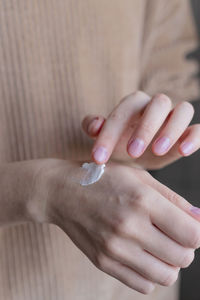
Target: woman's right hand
x=128 y=224
x=144 y=130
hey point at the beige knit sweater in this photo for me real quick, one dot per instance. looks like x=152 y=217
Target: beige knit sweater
x=60 y=60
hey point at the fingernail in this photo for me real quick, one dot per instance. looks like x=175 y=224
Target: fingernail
x=100 y=154
x=187 y=147
x=162 y=145
x=195 y=210
x=136 y=147
x=94 y=125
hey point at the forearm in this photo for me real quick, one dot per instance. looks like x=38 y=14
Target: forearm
x=23 y=191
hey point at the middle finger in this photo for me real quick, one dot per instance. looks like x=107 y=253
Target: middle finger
x=153 y=117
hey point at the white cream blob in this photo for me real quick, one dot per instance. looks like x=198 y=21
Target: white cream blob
x=93 y=174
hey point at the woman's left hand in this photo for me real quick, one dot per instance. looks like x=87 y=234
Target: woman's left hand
x=144 y=129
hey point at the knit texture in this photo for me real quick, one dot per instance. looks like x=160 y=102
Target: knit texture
x=61 y=60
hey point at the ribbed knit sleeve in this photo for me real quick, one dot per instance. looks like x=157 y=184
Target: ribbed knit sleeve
x=169 y=35
x=61 y=60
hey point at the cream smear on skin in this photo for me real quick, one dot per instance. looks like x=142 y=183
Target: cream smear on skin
x=93 y=174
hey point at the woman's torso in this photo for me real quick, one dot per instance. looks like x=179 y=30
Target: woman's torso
x=60 y=60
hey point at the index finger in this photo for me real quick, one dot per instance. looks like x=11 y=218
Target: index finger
x=115 y=125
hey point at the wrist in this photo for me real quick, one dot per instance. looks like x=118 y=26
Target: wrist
x=22 y=191
x=55 y=184
x=42 y=195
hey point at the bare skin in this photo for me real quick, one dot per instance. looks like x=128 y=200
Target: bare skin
x=128 y=224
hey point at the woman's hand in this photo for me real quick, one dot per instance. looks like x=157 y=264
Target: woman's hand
x=128 y=224
x=144 y=130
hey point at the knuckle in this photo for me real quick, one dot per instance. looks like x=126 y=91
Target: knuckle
x=187 y=106
x=174 y=198
x=123 y=224
x=162 y=99
x=133 y=95
x=169 y=279
x=139 y=93
x=117 y=115
x=187 y=258
x=124 y=228
x=100 y=261
x=111 y=245
x=143 y=200
x=147 y=128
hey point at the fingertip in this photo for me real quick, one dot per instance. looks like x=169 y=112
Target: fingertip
x=186 y=148
x=100 y=155
x=92 y=124
x=161 y=146
x=135 y=147
x=85 y=122
x=95 y=126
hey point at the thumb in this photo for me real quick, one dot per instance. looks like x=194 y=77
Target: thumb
x=92 y=124
x=173 y=197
